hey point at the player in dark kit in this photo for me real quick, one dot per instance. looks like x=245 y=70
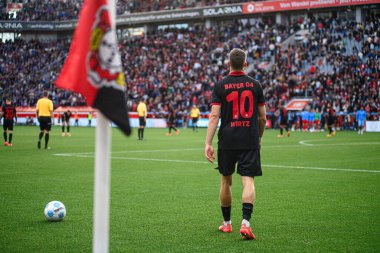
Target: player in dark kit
x=239 y=100
x=66 y=121
x=171 y=117
x=283 y=122
x=330 y=121
x=9 y=113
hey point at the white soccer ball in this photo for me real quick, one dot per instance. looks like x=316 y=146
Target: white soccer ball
x=55 y=211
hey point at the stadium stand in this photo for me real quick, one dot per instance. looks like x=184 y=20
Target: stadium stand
x=335 y=62
x=58 y=10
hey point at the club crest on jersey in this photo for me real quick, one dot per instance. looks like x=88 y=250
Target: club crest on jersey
x=103 y=60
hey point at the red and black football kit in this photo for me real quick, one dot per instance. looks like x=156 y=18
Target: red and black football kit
x=284 y=117
x=239 y=97
x=66 y=117
x=9 y=113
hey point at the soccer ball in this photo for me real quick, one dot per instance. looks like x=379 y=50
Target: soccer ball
x=55 y=211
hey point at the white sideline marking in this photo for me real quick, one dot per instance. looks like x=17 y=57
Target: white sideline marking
x=305 y=143
x=132 y=151
x=203 y=162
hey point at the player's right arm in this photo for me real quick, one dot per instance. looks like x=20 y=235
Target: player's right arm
x=212 y=125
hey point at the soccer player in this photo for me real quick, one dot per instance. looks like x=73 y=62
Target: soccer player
x=330 y=121
x=142 y=112
x=194 y=115
x=317 y=120
x=239 y=100
x=76 y=117
x=9 y=113
x=66 y=122
x=311 y=120
x=305 y=120
x=44 y=110
x=171 y=117
x=283 y=122
x=361 y=116
x=89 y=117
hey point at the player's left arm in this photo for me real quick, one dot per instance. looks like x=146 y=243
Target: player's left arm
x=262 y=112
x=262 y=119
x=15 y=113
x=212 y=125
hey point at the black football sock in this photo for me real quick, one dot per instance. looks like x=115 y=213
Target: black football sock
x=226 y=211
x=281 y=130
x=10 y=137
x=46 y=140
x=170 y=130
x=63 y=129
x=330 y=130
x=139 y=132
x=5 y=136
x=68 y=129
x=41 y=135
x=142 y=133
x=247 y=211
x=287 y=129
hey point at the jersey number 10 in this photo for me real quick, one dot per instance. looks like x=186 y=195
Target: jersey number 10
x=234 y=98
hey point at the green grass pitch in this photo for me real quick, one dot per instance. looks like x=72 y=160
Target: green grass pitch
x=316 y=194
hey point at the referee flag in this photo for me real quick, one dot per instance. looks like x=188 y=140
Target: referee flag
x=93 y=67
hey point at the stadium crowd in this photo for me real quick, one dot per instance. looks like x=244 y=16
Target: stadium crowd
x=59 y=10
x=336 y=64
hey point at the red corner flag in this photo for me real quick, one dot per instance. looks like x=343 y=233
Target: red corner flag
x=93 y=67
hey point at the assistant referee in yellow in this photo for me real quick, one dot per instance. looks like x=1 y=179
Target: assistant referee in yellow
x=44 y=110
x=142 y=112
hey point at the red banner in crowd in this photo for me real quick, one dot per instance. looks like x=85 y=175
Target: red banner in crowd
x=297 y=104
x=275 y=6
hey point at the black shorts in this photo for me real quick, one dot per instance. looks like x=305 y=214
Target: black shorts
x=195 y=120
x=45 y=123
x=330 y=121
x=248 y=161
x=283 y=123
x=142 y=121
x=8 y=125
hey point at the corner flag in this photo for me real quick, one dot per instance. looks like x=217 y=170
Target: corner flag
x=93 y=67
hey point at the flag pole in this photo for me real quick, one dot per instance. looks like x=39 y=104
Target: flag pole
x=100 y=242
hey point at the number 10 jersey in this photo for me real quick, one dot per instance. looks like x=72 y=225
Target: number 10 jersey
x=239 y=97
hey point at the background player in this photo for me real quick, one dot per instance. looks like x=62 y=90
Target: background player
x=66 y=122
x=284 y=123
x=305 y=120
x=76 y=117
x=171 y=117
x=44 y=110
x=194 y=115
x=9 y=113
x=330 y=121
x=317 y=120
x=311 y=120
x=361 y=116
x=240 y=101
x=143 y=112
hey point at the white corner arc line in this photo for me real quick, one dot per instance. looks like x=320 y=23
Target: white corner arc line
x=305 y=144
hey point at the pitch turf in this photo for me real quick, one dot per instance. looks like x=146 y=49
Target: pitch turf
x=318 y=196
